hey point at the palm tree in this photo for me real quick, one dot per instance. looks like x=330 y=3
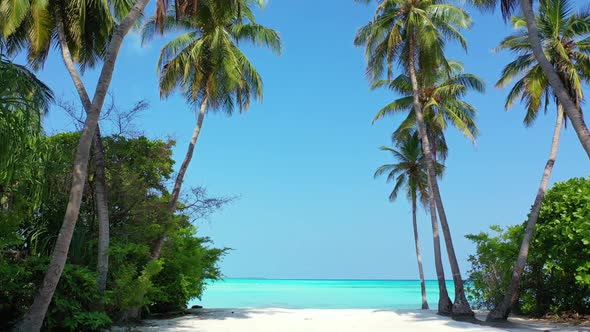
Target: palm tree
x=441 y=94
x=414 y=33
x=207 y=66
x=571 y=109
x=565 y=38
x=410 y=175
x=17 y=17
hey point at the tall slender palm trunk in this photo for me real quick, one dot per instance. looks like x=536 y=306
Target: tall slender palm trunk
x=100 y=187
x=102 y=208
x=419 y=254
x=134 y=313
x=181 y=172
x=569 y=106
x=33 y=319
x=460 y=305
x=444 y=302
x=445 y=305
x=502 y=310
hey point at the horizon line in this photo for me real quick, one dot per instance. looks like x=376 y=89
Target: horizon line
x=328 y=279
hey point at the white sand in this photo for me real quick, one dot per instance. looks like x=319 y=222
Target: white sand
x=324 y=320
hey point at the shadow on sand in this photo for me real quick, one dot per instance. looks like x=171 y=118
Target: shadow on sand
x=409 y=318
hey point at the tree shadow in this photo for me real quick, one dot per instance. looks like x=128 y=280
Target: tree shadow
x=222 y=314
x=418 y=318
x=513 y=324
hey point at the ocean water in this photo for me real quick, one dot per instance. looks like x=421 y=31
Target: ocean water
x=319 y=294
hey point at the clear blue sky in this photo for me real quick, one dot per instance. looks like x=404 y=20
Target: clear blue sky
x=303 y=160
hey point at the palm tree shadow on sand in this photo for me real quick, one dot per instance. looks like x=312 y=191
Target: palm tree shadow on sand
x=192 y=316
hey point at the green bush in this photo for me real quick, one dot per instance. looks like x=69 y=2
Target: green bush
x=491 y=265
x=557 y=276
x=18 y=283
x=74 y=304
x=188 y=263
x=137 y=171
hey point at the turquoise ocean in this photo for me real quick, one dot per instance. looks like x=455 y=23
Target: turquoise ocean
x=318 y=294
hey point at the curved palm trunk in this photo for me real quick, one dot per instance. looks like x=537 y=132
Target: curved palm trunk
x=134 y=313
x=419 y=255
x=569 y=106
x=33 y=319
x=100 y=188
x=445 y=305
x=460 y=306
x=181 y=172
x=444 y=302
x=502 y=311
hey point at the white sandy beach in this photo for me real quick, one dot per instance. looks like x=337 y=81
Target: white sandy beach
x=328 y=320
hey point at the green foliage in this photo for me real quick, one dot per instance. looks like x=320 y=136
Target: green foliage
x=205 y=61
x=492 y=264
x=131 y=285
x=399 y=23
x=136 y=171
x=189 y=262
x=32 y=27
x=409 y=173
x=18 y=281
x=557 y=276
x=23 y=101
x=564 y=34
x=74 y=305
x=442 y=96
x=72 y=308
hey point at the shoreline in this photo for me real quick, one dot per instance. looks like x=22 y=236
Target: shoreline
x=341 y=320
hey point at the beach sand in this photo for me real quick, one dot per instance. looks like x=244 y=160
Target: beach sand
x=332 y=320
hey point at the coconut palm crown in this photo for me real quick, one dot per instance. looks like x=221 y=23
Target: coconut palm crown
x=206 y=61
x=442 y=96
x=565 y=35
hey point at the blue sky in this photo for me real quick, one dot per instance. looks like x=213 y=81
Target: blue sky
x=302 y=161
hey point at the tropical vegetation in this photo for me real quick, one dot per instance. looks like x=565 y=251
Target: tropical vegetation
x=96 y=227
x=563 y=34
x=555 y=281
x=137 y=171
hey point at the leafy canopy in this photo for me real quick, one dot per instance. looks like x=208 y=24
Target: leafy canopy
x=565 y=37
x=205 y=61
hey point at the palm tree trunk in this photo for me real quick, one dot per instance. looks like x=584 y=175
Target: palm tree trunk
x=502 y=311
x=33 y=319
x=444 y=302
x=181 y=172
x=460 y=306
x=445 y=305
x=100 y=188
x=419 y=255
x=133 y=313
x=569 y=106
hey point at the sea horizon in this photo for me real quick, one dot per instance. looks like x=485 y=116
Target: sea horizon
x=326 y=279
x=318 y=293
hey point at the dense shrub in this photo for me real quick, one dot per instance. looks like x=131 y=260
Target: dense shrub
x=137 y=171
x=557 y=276
x=74 y=304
